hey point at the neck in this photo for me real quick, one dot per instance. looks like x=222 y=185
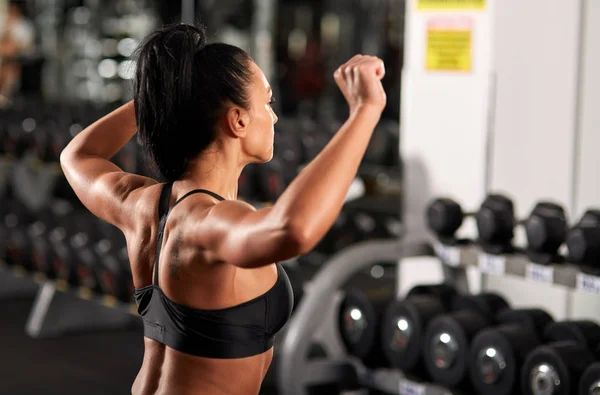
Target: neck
x=216 y=170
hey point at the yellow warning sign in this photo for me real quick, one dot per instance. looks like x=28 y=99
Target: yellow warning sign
x=449 y=46
x=450 y=4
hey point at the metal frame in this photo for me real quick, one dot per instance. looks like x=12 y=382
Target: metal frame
x=14 y=285
x=55 y=313
x=311 y=312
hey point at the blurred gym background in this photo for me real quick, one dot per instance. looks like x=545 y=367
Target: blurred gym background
x=465 y=260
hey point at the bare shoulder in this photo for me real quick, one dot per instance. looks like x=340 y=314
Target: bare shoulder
x=144 y=211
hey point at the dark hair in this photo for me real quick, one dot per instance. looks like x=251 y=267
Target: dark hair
x=181 y=87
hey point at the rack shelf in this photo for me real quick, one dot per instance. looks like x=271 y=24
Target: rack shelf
x=83 y=293
x=564 y=274
x=394 y=381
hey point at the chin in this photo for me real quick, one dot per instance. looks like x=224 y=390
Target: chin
x=268 y=156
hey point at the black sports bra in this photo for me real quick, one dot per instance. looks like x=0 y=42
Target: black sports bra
x=236 y=332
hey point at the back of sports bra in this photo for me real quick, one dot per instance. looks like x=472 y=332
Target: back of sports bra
x=236 y=332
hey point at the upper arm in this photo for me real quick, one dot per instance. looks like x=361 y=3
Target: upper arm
x=108 y=192
x=234 y=232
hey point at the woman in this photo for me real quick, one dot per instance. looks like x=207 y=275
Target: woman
x=211 y=297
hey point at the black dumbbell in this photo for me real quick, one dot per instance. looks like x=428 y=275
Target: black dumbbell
x=546 y=230
x=495 y=224
x=448 y=337
x=589 y=384
x=556 y=367
x=583 y=241
x=494 y=219
x=361 y=312
x=405 y=321
x=498 y=353
x=444 y=216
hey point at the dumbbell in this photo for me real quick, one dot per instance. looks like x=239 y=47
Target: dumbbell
x=545 y=229
x=405 y=321
x=498 y=353
x=448 y=337
x=444 y=216
x=589 y=384
x=361 y=312
x=494 y=219
x=583 y=241
x=556 y=367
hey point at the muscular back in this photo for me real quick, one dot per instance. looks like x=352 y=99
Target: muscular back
x=187 y=277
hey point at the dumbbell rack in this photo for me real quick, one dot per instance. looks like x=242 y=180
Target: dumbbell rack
x=454 y=259
x=564 y=274
x=60 y=308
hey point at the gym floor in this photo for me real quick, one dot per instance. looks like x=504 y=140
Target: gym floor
x=97 y=363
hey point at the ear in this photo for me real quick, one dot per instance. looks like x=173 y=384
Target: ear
x=237 y=120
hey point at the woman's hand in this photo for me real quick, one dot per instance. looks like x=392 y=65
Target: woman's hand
x=359 y=79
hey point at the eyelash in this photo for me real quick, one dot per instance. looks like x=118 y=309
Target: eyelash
x=272 y=101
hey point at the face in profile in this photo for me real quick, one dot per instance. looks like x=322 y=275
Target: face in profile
x=258 y=141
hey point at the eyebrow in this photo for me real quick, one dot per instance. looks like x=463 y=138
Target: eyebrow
x=269 y=90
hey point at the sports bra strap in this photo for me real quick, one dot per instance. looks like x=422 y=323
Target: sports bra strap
x=163 y=213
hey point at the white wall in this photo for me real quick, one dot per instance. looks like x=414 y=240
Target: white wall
x=588 y=187
x=536 y=51
x=445 y=121
x=440 y=109
x=533 y=137
x=587 y=191
x=510 y=126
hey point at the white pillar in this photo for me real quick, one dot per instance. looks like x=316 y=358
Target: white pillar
x=445 y=110
x=523 y=122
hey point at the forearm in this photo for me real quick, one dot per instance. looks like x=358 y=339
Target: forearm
x=105 y=137
x=313 y=201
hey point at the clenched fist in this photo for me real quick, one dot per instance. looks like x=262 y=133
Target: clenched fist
x=359 y=79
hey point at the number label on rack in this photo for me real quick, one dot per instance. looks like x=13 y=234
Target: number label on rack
x=407 y=387
x=448 y=254
x=540 y=273
x=588 y=283
x=492 y=264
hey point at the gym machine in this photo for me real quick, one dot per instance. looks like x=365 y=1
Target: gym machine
x=456 y=343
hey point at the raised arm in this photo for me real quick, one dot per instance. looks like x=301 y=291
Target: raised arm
x=235 y=233
x=106 y=190
x=313 y=201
